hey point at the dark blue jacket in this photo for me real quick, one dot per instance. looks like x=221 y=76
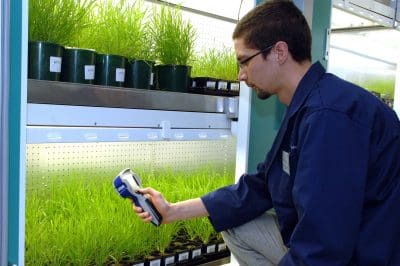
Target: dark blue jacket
x=332 y=175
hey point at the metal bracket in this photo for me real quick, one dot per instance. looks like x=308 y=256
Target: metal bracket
x=166 y=129
x=231 y=107
x=327 y=44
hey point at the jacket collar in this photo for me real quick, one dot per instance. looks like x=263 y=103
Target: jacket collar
x=304 y=88
x=306 y=85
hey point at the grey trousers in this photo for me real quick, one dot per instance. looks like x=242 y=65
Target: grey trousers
x=257 y=242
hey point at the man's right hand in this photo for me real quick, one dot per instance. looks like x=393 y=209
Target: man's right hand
x=182 y=210
x=159 y=203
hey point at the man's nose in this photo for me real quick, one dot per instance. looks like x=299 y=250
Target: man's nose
x=242 y=75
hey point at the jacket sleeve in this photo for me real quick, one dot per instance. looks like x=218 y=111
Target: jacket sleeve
x=328 y=189
x=234 y=205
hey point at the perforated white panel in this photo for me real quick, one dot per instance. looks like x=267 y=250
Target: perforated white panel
x=108 y=158
x=211 y=32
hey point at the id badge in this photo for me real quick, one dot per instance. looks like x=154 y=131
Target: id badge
x=285 y=162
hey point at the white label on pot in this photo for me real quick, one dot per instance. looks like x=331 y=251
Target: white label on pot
x=196 y=253
x=183 y=256
x=155 y=262
x=89 y=72
x=221 y=247
x=234 y=86
x=222 y=85
x=169 y=260
x=120 y=74
x=151 y=78
x=210 y=84
x=211 y=248
x=55 y=64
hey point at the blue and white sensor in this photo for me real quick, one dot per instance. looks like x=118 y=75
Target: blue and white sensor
x=127 y=184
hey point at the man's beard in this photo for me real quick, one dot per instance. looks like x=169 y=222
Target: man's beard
x=263 y=95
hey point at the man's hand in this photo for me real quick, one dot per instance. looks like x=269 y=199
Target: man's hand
x=158 y=201
x=170 y=212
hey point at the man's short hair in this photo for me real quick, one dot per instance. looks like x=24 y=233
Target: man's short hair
x=273 y=21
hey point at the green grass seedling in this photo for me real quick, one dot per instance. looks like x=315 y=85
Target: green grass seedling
x=81 y=220
x=57 y=21
x=173 y=36
x=219 y=64
x=119 y=28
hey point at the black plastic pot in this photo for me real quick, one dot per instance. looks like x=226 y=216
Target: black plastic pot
x=204 y=83
x=139 y=74
x=169 y=259
x=154 y=260
x=44 y=60
x=214 y=250
x=182 y=256
x=196 y=252
x=78 y=65
x=209 y=248
x=110 y=70
x=173 y=77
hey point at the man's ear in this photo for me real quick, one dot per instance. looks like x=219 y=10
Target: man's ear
x=282 y=51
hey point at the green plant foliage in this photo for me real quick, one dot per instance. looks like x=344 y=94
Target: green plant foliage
x=57 y=21
x=198 y=185
x=161 y=236
x=199 y=228
x=173 y=37
x=81 y=220
x=219 y=64
x=182 y=186
x=119 y=28
x=385 y=86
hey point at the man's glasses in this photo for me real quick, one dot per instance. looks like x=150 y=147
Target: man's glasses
x=243 y=63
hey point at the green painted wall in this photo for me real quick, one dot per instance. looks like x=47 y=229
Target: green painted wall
x=16 y=130
x=265 y=119
x=321 y=22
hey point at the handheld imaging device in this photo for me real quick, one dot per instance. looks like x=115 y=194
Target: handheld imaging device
x=127 y=184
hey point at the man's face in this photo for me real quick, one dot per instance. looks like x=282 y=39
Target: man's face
x=256 y=71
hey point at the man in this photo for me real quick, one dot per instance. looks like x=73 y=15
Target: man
x=332 y=174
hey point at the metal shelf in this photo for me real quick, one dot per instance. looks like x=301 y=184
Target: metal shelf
x=382 y=12
x=59 y=112
x=51 y=92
